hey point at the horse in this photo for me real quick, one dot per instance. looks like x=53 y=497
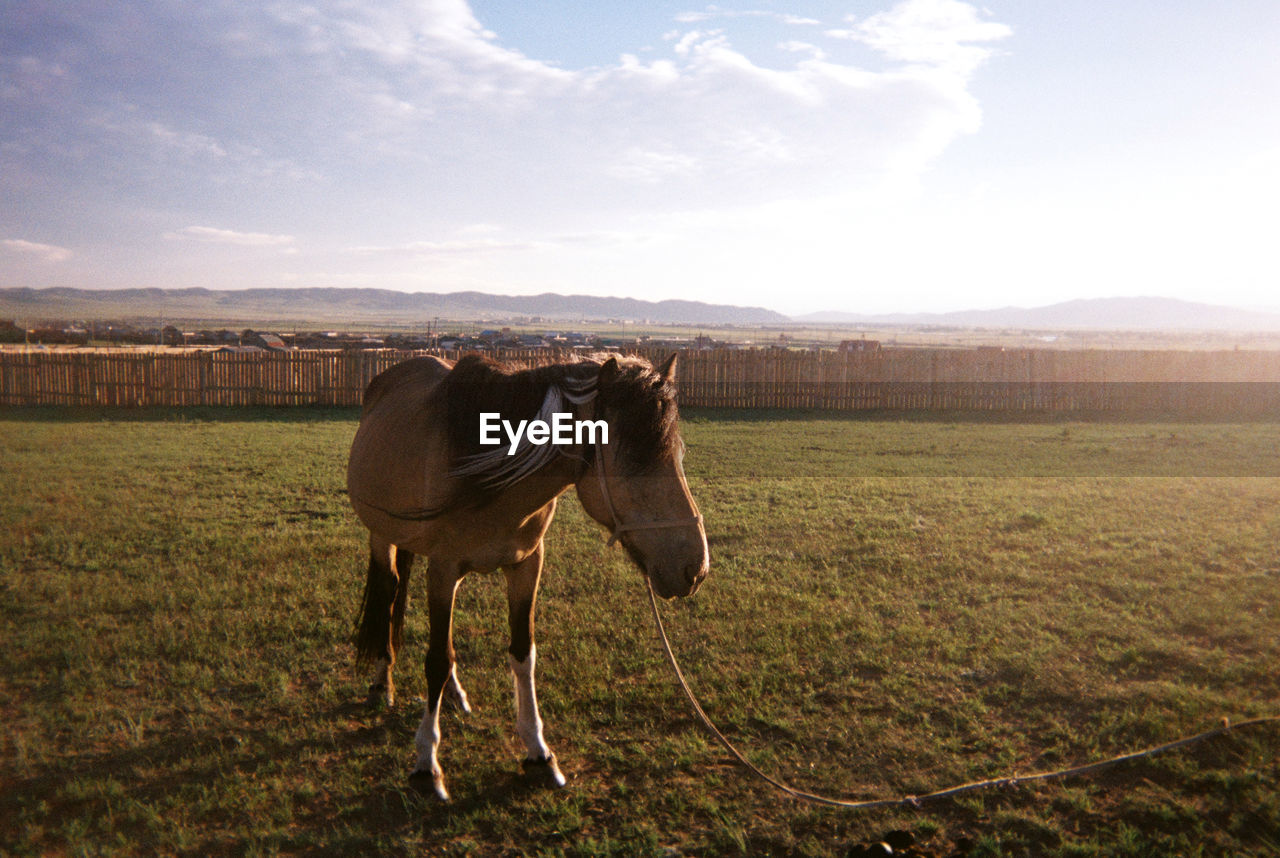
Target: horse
x=423 y=484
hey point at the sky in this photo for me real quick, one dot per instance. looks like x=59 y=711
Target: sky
x=866 y=156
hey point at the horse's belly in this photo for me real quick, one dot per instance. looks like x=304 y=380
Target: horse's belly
x=480 y=540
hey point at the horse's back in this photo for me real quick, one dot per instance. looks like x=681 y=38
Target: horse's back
x=418 y=375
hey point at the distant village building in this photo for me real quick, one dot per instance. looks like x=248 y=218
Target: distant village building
x=268 y=342
x=863 y=345
x=11 y=332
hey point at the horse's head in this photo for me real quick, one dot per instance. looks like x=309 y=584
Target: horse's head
x=635 y=483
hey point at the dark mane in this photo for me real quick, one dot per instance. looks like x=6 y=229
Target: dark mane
x=642 y=405
x=637 y=401
x=477 y=384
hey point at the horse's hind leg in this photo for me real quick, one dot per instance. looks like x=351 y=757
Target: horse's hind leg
x=442 y=588
x=386 y=595
x=522 y=593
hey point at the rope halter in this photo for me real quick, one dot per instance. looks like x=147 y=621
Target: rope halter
x=619 y=527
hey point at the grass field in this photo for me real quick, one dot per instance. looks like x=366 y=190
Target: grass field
x=895 y=606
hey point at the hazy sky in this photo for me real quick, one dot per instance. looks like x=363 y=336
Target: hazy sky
x=863 y=156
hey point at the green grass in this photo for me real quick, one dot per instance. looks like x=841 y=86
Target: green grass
x=895 y=606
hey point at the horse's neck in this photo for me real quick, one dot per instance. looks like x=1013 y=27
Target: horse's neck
x=541 y=487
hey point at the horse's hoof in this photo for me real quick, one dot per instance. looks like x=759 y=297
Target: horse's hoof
x=545 y=772
x=419 y=780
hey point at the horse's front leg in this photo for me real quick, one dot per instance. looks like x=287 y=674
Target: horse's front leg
x=442 y=585
x=522 y=593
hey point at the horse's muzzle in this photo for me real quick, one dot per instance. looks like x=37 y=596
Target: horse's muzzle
x=677 y=583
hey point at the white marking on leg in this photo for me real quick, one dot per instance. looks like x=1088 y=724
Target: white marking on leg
x=528 y=721
x=427 y=741
x=456 y=688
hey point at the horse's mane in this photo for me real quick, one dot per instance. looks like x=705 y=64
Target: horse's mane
x=477 y=385
x=640 y=402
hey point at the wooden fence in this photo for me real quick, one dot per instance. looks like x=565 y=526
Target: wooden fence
x=1028 y=380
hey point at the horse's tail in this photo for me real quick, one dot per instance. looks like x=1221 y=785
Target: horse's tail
x=381 y=620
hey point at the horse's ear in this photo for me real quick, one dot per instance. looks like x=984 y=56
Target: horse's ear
x=668 y=368
x=608 y=370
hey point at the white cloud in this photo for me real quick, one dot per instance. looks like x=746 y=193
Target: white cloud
x=650 y=166
x=440 y=102
x=30 y=77
x=713 y=12
x=483 y=241
x=933 y=32
x=46 y=252
x=797 y=47
x=348 y=98
x=213 y=235
x=360 y=126
x=453 y=248
x=435 y=51
x=186 y=143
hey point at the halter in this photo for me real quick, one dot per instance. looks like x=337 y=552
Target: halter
x=618 y=527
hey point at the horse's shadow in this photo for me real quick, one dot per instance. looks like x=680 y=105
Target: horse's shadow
x=227 y=758
x=498 y=787
x=485 y=784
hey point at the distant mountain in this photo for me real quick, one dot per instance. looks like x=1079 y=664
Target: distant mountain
x=1124 y=314
x=261 y=306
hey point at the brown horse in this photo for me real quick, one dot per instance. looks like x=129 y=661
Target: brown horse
x=423 y=483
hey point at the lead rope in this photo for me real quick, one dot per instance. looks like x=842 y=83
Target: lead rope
x=917 y=800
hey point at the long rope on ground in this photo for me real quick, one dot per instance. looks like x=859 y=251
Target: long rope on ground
x=917 y=800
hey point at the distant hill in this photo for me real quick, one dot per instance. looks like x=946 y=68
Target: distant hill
x=262 y=306
x=331 y=307
x=1119 y=314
